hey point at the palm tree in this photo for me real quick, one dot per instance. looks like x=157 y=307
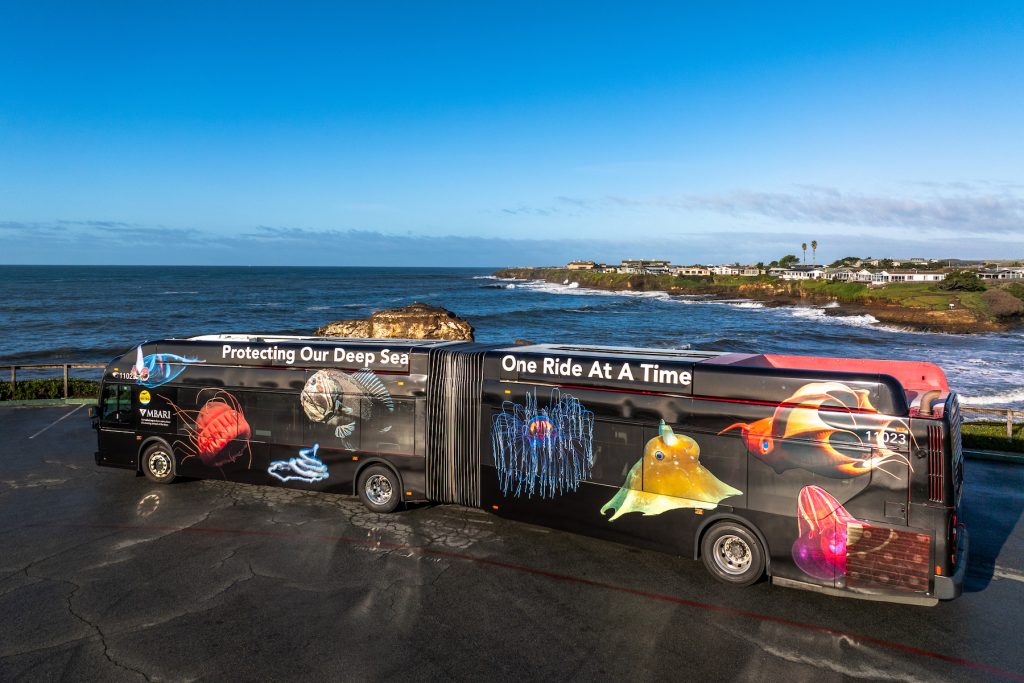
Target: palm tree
x=814 y=251
x=804 y=247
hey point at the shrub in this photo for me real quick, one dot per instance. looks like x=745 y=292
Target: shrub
x=962 y=281
x=1002 y=304
x=992 y=436
x=32 y=389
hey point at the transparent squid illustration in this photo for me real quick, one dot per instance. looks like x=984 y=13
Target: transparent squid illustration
x=159 y=368
x=547 y=451
x=306 y=467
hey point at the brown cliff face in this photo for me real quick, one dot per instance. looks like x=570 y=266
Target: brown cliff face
x=416 y=321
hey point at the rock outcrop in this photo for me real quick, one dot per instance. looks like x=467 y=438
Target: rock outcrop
x=416 y=321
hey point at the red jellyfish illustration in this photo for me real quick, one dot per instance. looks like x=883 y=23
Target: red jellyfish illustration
x=218 y=433
x=820 y=549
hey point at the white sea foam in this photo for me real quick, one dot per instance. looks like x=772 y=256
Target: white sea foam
x=317 y=308
x=746 y=304
x=818 y=314
x=485 y=277
x=510 y=285
x=1011 y=396
x=574 y=288
x=832 y=304
x=171 y=291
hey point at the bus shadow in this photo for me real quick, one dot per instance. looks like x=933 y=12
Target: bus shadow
x=992 y=506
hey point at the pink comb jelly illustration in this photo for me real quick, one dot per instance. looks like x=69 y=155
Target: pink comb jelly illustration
x=820 y=549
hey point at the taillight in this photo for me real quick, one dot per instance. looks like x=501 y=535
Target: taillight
x=935 y=462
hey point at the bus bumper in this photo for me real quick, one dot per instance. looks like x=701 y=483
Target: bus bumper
x=950 y=587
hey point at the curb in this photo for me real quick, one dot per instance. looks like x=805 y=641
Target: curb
x=43 y=402
x=995 y=456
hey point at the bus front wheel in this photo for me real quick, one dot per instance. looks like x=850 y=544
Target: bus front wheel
x=379 y=489
x=732 y=554
x=158 y=464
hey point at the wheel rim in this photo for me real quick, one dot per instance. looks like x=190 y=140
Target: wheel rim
x=733 y=555
x=378 y=489
x=159 y=464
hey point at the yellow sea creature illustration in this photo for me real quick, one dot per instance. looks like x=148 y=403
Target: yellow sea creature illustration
x=669 y=476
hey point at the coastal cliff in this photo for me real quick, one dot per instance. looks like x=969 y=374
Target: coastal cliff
x=916 y=306
x=416 y=321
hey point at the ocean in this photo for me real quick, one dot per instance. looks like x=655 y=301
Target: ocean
x=68 y=314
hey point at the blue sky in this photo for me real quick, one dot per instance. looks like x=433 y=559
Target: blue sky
x=508 y=133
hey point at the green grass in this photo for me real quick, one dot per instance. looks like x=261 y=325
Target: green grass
x=990 y=435
x=911 y=295
x=974 y=302
x=34 y=389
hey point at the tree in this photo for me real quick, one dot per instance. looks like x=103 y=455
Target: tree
x=788 y=261
x=814 y=251
x=804 y=247
x=962 y=281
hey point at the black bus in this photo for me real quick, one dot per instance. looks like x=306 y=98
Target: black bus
x=842 y=476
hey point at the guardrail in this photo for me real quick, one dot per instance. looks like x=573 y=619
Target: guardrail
x=65 y=367
x=1001 y=412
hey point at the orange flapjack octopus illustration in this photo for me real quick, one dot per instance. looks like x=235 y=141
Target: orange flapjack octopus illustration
x=669 y=476
x=827 y=428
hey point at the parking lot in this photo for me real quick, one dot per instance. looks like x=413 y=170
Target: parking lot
x=105 y=575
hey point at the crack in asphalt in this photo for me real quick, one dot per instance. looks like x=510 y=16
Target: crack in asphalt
x=100 y=634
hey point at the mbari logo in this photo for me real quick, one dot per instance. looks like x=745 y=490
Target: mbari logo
x=155 y=414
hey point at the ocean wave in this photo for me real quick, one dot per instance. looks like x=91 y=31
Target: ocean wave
x=485 y=277
x=172 y=291
x=317 y=308
x=573 y=288
x=831 y=304
x=1006 y=397
x=818 y=314
x=745 y=304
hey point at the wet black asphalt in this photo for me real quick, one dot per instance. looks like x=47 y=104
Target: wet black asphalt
x=105 y=576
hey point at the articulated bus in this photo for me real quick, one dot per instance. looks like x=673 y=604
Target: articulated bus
x=842 y=476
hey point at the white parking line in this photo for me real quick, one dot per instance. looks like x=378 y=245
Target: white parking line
x=65 y=415
x=1005 y=573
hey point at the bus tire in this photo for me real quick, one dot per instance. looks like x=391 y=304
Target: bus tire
x=379 y=489
x=732 y=554
x=158 y=464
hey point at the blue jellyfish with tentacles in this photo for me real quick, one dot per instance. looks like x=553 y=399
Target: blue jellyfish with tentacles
x=547 y=451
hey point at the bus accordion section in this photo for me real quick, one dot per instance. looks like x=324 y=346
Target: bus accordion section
x=842 y=476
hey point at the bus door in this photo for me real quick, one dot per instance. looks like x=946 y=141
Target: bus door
x=117 y=444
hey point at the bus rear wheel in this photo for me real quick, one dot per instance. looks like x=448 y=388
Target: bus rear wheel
x=379 y=489
x=158 y=464
x=732 y=554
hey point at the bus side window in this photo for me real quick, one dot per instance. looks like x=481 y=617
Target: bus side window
x=390 y=431
x=117 y=403
x=617 y=447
